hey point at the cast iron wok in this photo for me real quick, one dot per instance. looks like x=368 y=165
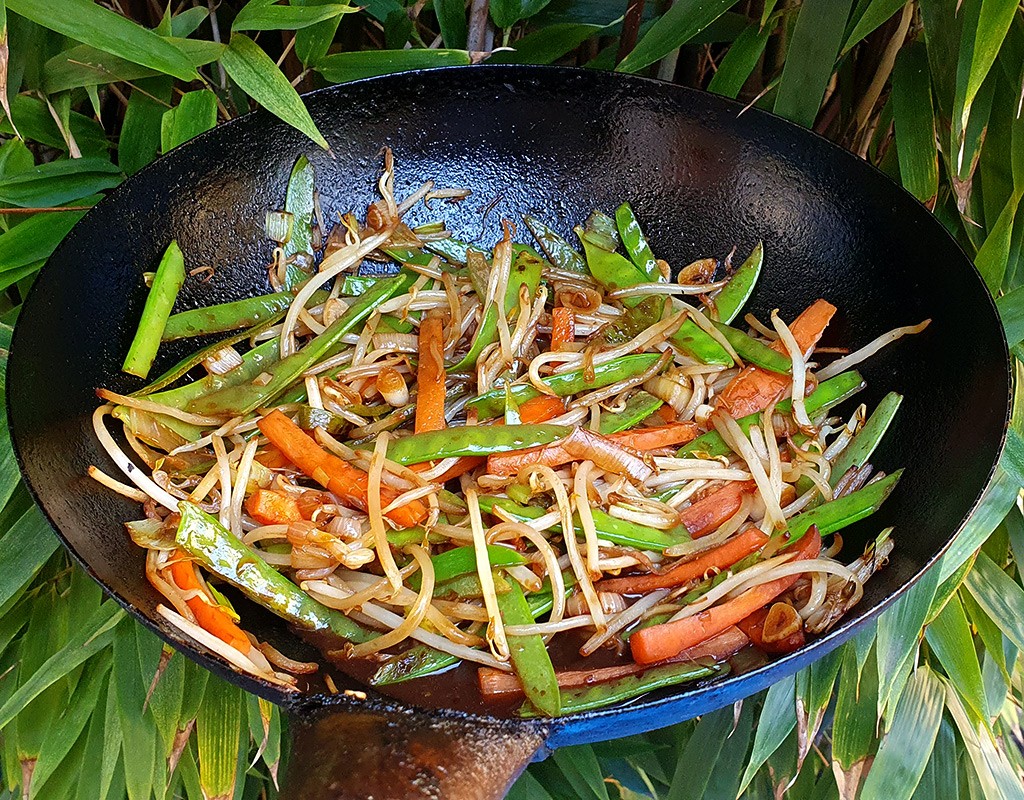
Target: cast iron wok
x=702 y=177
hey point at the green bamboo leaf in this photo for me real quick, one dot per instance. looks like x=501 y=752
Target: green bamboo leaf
x=697 y=761
x=739 y=62
x=140 y=131
x=941 y=772
x=1000 y=495
x=817 y=36
x=999 y=596
x=113 y=736
x=90 y=790
x=992 y=638
x=994 y=18
x=343 y=67
x=313 y=42
x=166 y=696
x=949 y=637
x=137 y=725
x=856 y=719
x=877 y=13
x=915 y=124
x=548 y=44
x=259 y=77
x=24 y=548
x=92 y=637
x=218 y=733
x=994 y=254
x=777 y=719
x=34 y=121
x=195 y=113
x=58 y=182
x=506 y=13
x=528 y=788
x=676 y=26
x=451 y=18
x=724 y=782
x=994 y=772
x=266 y=15
x=1011 y=312
x=813 y=695
x=15 y=157
x=92 y=24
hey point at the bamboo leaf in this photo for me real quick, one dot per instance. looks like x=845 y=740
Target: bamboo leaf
x=24 y=548
x=817 y=36
x=813 y=695
x=999 y=596
x=702 y=752
x=218 y=732
x=313 y=42
x=137 y=725
x=451 y=18
x=195 y=113
x=261 y=15
x=724 y=782
x=528 y=788
x=740 y=60
x=914 y=120
x=35 y=239
x=949 y=636
x=113 y=736
x=676 y=26
x=548 y=44
x=776 y=722
x=59 y=182
x=259 y=77
x=1000 y=495
x=941 y=772
x=35 y=122
x=344 y=67
x=875 y=15
x=1011 y=312
x=506 y=13
x=994 y=254
x=994 y=18
x=92 y=24
x=853 y=732
x=140 y=131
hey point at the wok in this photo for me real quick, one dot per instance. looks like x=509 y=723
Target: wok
x=703 y=178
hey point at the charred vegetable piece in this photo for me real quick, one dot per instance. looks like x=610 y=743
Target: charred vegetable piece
x=557 y=249
x=635 y=243
x=474 y=440
x=859 y=450
x=635 y=321
x=529 y=654
x=167 y=282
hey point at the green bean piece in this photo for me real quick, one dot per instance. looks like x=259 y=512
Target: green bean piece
x=611 y=270
x=244 y=398
x=698 y=343
x=634 y=321
x=245 y=313
x=837 y=514
x=254 y=362
x=602 y=230
x=461 y=561
x=472 y=440
x=529 y=655
x=737 y=291
x=750 y=349
x=170 y=275
x=605 y=694
x=223 y=554
x=638 y=408
x=859 y=450
x=635 y=243
x=828 y=394
x=492 y=403
x=299 y=202
x=558 y=250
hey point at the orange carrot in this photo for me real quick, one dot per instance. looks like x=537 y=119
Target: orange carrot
x=707 y=514
x=272 y=458
x=753 y=627
x=541 y=409
x=430 y=375
x=563 y=327
x=268 y=507
x=655 y=438
x=650 y=645
x=350 y=484
x=718 y=558
x=211 y=618
x=754 y=389
x=667 y=413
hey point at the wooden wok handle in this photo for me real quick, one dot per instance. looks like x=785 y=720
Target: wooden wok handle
x=354 y=755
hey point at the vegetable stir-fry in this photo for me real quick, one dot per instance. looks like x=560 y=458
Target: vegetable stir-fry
x=490 y=456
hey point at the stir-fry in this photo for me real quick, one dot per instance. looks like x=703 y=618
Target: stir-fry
x=580 y=473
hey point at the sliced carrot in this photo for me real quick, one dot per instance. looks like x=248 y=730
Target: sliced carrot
x=563 y=327
x=754 y=389
x=430 y=375
x=667 y=413
x=644 y=439
x=650 y=645
x=753 y=627
x=718 y=558
x=541 y=409
x=268 y=507
x=272 y=458
x=350 y=484
x=707 y=514
x=211 y=618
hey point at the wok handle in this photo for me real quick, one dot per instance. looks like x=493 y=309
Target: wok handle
x=353 y=755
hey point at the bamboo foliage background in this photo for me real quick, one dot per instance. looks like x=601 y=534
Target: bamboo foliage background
x=926 y=705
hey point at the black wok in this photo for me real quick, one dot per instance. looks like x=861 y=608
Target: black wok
x=702 y=177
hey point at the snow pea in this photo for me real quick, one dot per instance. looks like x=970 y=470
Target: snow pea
x=611 y=270
x=828 y=394
x=310 y=418
x=697 y=343
x=529 y=655
x=837 y=514
x=223 y=554
x=737 y=291
x=243 y=398
x=757 y=353
x=299 y=202
x=605 y=694
x=638 y=408
x=245 y=313
x=472 y=440
x=557 y=249
x=635 y=320
x=563 y=384
x=859 y=450
x=635 y=243
x=461 y=561
x=602 y=231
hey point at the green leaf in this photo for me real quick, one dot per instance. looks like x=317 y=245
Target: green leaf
x=343 y=67
x=548 y=44
x=194 y=114
x=856 y=718
x=24 y=548
x=813 y=695
x=875 y=15
x=994 y=18
x=261 y=15
x=506 y=13
x=129 y=687
x=143 y=118
x=679 y=24
x=999 y=596
x=15 y=157
x=312 y=43
x=92 y=24
x=218 y=732
x=1011 y=312
x=697 y=760
x=451 y=18
x=941 y=772
x=777 y=719
x=817 y=36
x=259 y=77
x=994 y=254
x=57 y=182
x=112 y=739
x=949 y=637
x=914 y=122
x=34 y=121
x=903 y=754
x=740 y=60
x=1000 y=495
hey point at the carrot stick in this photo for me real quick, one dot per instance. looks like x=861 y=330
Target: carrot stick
x=430 y=375
x=707 y=514
x=211 y=618
x=563 y=327
x=718 y=558
x=655 y=438
x=541 y=409
x=754 y=389
x=659 y=642
x=268 y=507
x=350 y=484
x=753 y=627
x=271 y=457
x=667 y=413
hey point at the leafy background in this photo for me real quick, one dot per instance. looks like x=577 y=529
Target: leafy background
x=925 y=705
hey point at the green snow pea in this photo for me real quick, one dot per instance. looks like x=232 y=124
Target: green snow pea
x=529 y=655
x=638 y=408
x=635 y=243
x=299 y=202
x=472 y=440
x=167 y=282
x=837 y=514
x=558 y=250
x=461 y=561
x=859 y=450
x=737 y=291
